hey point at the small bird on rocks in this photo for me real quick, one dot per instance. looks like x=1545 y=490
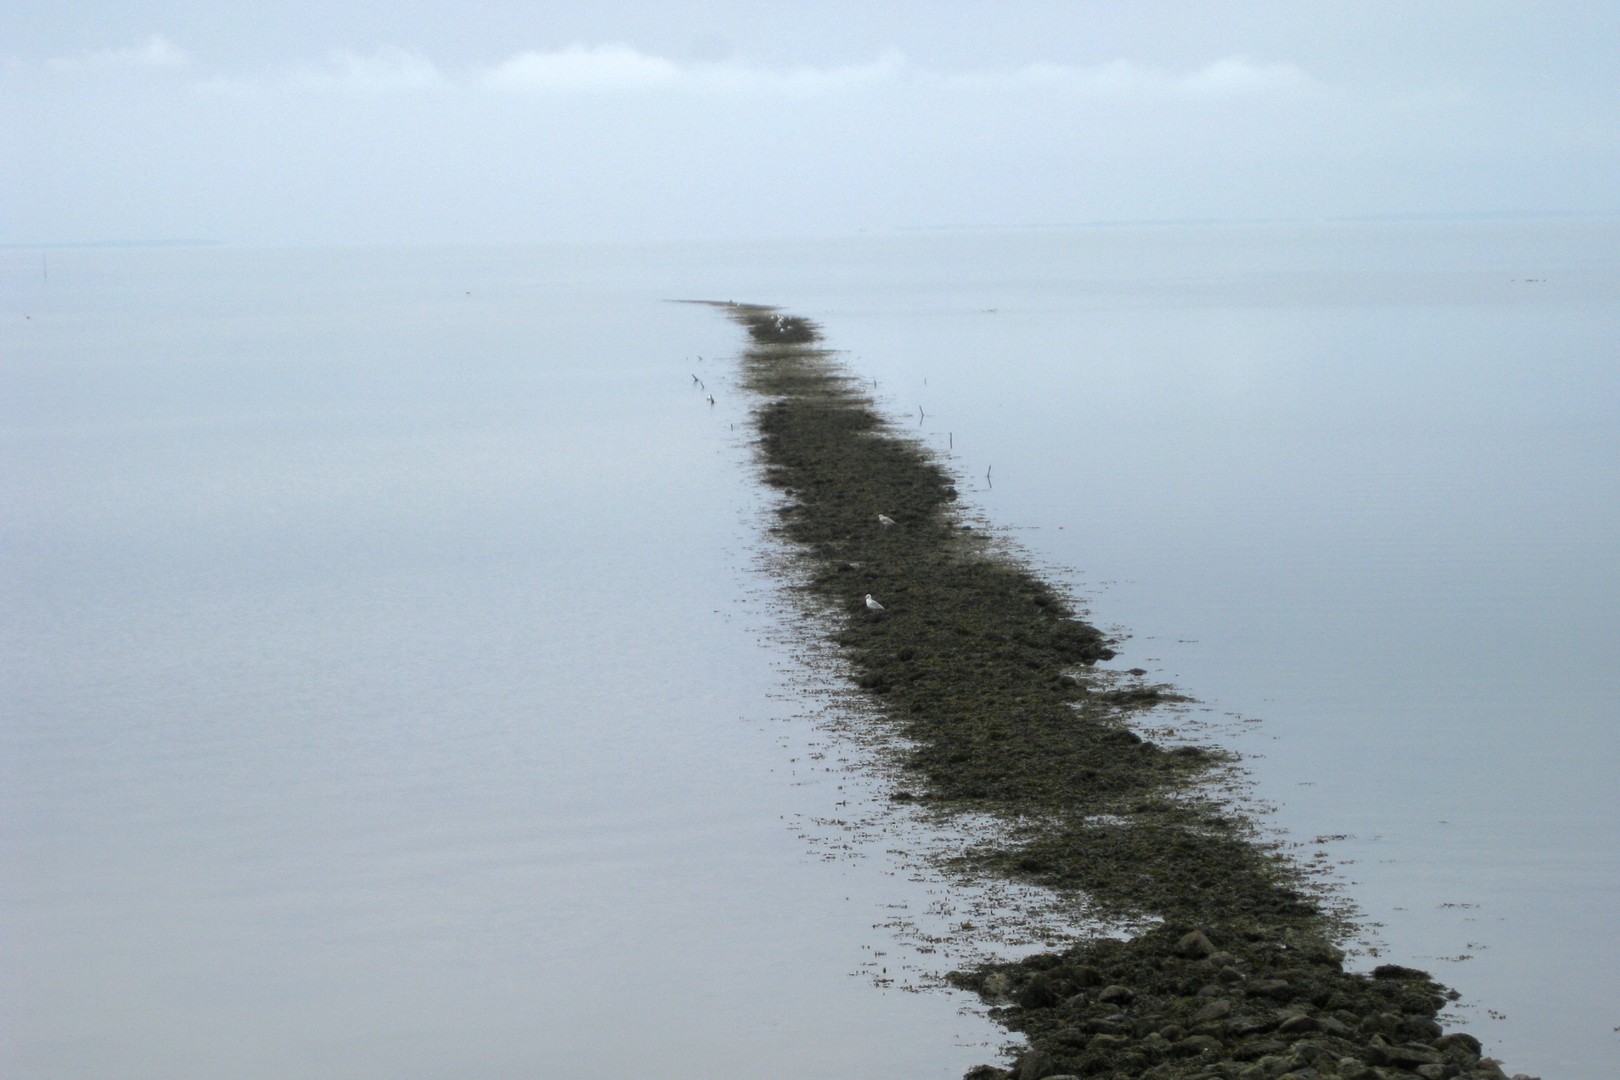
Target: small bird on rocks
x=873 y=605
x=885 y=520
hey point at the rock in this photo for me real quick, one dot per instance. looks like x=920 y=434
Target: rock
x=1334 y=1026
x=1309 y=1052
x=1421 y=1029
x=1405 y=1056
x=1456 y=1040
x=1298 y=1025
x=986 y=1072
x=1108 y=1043
x=1116 y=995
x=1270 y=1065
x=1436 y=1072
x=1195 y=945
x=1395 y=971
x=1194 y=1045
x=1324 y=954
x=1088 y=976
x=1260 y=1049
x=1036 y=1064
x=1245 y=1026
x=1277 y=989
x=1155 y=1043
x=1041 y=992
x=1351 y=1069
x=1215 y=1010
x=1380 y=1023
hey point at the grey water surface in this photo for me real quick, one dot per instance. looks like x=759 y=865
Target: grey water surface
x=391 y=688
x=377 y=698
x=1357 y=487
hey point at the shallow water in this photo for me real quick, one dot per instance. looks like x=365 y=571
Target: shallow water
x=380 y=702
x=1359 y=485
x=392 y=686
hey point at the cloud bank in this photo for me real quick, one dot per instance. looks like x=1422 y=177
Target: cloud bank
x=619 y=69
x=605 y=138
x=156 y=51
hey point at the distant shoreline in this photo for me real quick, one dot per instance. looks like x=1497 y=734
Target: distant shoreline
x=80 y=245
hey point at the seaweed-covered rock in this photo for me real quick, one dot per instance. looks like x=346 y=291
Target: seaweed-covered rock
x=984 y=673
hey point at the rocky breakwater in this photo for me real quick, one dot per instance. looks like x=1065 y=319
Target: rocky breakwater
x=983 y=677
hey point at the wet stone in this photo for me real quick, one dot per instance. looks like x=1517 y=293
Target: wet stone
x=1259 y=1048
x=1421 y=1028
x=1404 y=1057
x=1244 y=1027
x=1195 y=1044
x=1036 y=1065
x=1459 y=1039
x=1277 y=989
x=1333 y=1026
x=1155 y=1043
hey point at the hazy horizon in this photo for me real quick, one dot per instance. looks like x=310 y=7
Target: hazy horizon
x=1348 y=219
x=356 y=123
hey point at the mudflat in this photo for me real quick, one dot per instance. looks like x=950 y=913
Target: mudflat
x=982 y=673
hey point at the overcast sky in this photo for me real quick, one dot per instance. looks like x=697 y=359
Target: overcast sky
x=364 y=121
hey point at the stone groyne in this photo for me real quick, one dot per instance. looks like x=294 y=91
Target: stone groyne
x=981 y=672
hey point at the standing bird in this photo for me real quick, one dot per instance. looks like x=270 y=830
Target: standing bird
x=873 y=605
x=885 y=520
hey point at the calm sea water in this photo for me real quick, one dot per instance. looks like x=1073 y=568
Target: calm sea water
x=391 y=688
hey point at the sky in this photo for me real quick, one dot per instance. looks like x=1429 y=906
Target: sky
x=342 y=122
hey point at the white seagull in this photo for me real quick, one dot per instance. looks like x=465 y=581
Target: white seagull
x=885 y=520
x=872 y=605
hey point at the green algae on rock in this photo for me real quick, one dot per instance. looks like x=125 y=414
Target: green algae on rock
x=983 y=672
